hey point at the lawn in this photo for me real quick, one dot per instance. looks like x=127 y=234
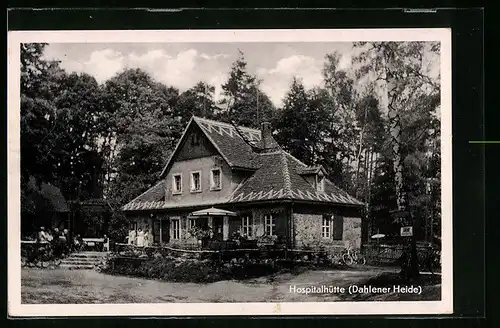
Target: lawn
x=87 y=286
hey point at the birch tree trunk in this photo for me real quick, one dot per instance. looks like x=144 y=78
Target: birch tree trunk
x=409 y=268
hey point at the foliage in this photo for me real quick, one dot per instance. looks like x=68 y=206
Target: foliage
x=198 y=101
x=243 y=102
x=145 y=128
x=200 y=233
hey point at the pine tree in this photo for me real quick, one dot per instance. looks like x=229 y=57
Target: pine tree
x=292 y=123
x=243 y=102
x=198 y=101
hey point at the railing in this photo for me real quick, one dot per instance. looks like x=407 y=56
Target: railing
x=391 y=253
x=140 y=253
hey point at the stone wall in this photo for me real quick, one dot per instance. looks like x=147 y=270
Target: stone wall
x=308 y=228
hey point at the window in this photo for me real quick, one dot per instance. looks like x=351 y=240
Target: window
x=195 y=139
x=176 y=229
x=191 y=223
x=195 y=181
x=338 y=227
x=326 y=227
x=269 y=224
x=177 y=183
x=320 y=182
x=215 y=179
x=247 y=225
x=133 y=226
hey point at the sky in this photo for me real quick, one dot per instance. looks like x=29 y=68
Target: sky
x=182 y=65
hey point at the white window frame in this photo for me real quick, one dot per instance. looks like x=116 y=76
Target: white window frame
x=269 y=224
x=247 y=223
x=192 y=173
x=326 y=226
x=179 y=234
x=320 y=182
x=212 y=184
x=174 y=186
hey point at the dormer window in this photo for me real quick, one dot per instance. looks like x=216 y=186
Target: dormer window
x=320 y=182
x=177 y=184
x=215 y=179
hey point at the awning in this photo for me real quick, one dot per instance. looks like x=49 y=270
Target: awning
x=213 y=212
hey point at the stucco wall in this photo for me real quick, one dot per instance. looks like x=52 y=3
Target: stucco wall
x=204 y=164
x=233 y=223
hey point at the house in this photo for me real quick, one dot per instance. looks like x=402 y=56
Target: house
x=245 y=171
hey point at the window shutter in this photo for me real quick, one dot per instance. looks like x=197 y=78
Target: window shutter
x=338 y=227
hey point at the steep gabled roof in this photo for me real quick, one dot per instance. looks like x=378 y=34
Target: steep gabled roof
x=228 y=141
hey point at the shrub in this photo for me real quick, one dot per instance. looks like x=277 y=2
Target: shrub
x=186 y=270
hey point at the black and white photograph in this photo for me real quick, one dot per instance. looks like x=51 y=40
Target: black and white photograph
x=230 y=172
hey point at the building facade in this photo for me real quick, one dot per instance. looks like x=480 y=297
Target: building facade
x=245 y=171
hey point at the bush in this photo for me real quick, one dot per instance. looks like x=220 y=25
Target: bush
x=186 y=270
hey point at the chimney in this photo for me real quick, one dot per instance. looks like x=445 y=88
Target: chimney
x=265 y=130
x=267 y=142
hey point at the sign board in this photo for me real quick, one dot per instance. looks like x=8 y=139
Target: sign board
x=406 y=231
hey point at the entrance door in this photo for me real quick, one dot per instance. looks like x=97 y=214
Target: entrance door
x=165 y=231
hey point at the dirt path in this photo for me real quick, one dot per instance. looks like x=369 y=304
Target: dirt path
x=87 y=286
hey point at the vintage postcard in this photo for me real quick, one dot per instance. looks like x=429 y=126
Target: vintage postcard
x=229 y=172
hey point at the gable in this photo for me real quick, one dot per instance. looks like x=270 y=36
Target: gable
x=224 y=140
x=194 y=145
x=234 y=146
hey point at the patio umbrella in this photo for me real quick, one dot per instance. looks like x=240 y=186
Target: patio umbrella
x=213 y=212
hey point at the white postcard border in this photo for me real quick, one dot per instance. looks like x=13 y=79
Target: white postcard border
x=15 y=308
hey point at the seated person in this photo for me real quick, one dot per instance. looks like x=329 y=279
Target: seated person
x=43 y=236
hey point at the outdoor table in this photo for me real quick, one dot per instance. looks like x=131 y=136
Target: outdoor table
x=92 y=242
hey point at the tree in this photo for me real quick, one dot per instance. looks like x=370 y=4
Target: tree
x=146 y=131
x=400 y=66
x=79 y=166
x=143 y=130
x=38 y=114
x=343 y=131
x=243 y=102
x=291 y=124
x=198 y=101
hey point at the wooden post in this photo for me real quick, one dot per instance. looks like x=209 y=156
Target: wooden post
x=225 y=228
x=161 y=231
